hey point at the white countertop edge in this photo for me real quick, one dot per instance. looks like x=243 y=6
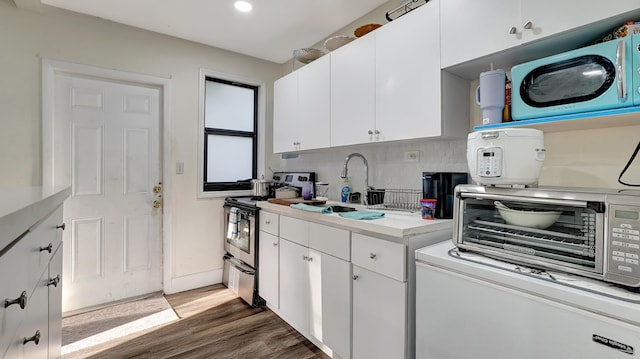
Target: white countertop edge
x=394 y=224
x=21 y=208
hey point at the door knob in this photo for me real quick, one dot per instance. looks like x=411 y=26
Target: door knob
x=156 y=204
x=157 y=189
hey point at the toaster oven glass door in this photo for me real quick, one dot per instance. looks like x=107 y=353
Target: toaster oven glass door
x=572 y=240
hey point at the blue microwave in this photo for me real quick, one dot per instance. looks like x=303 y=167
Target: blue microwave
x=597 y=77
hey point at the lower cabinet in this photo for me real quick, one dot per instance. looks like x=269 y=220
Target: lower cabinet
x=315 y=295
x=31 y=323
x=268 y=258
x=379 y=316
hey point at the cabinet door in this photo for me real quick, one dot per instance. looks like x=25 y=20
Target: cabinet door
x=545 y=22
x=472 y=29
x=408 y=76
x=333 y=291
x=294 y=285
x=36 y=322
x=268 y=272
x=353 y=92
x=55 y=304
x=312 y=122
x=285 y=113
x=379 y=316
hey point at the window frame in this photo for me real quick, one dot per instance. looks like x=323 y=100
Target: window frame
x=228 y=189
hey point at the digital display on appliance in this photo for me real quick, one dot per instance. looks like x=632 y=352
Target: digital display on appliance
x=288 y=178
x=626 y=214
x=488 y=154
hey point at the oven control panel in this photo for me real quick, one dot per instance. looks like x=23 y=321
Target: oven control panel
x=624 y=243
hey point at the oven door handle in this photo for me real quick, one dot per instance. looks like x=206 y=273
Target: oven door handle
x=557 y=202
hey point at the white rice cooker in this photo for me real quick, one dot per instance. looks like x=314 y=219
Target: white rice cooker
x=508 y=156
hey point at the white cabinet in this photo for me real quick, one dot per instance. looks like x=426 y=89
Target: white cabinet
x=353 y=92
x=30 y=290
x=301 y=108
x=473 y=29
x=379 y=316
x=386 y=86
x=315 y=283
x=379 y=281
x=268 y=258
x=294 y=285
x=408 y=78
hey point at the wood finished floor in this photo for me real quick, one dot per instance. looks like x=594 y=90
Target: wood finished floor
x=213 y=323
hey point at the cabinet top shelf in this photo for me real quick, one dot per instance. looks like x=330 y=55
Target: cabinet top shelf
x=628 y=116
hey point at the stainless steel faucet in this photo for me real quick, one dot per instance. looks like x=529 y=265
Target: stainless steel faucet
x=345 y=173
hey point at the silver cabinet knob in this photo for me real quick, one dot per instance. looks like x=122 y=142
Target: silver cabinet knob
x=275 y=244
x=355 y=277
x=304 y=258
x=372 y=255
x=370 y=132
x=267 y=222
x=54 y=281
x=528 y=25
x=513 y=30
x=310 y=259
x=377 y=132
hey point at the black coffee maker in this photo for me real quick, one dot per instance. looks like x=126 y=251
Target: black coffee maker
x=440 y=185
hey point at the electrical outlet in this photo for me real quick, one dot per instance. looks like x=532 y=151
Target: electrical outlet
x=412 y=156
x=179 y=168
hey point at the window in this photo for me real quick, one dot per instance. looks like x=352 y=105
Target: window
x=230 y=142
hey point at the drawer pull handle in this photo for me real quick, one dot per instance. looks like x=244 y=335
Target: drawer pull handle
x=35 y=339
x=372 y=255
x=54 y=281
x=62 y=226
x=48 y=248
x=267 y=222
x=275 y=244
x=21 y=300
x=355 y=277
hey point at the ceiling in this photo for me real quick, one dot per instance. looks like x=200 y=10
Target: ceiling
x=271 y=31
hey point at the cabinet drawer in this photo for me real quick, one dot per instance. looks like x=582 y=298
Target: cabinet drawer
x=269 y=222
x=381 y=256
x=330 y=240
x=295 y=230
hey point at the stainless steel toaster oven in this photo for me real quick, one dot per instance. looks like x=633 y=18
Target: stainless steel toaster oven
x=589 y=232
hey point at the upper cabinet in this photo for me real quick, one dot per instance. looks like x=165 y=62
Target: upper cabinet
x=384 y=86
x=408 y=78
x=301 y=106
x=353 y=92
x=473 y=29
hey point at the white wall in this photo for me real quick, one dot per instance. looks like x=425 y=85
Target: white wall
x=28 y=37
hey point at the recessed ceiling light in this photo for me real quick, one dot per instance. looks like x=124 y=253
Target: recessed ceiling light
x=243 y=6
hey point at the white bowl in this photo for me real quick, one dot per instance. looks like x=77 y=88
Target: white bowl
x=531 y=219
x=337 y=41
x=307 y=55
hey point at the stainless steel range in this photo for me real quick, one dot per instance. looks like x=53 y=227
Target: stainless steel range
x=241 y=215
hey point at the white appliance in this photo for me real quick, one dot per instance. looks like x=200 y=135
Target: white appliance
x=506 y=156
x=470 y=306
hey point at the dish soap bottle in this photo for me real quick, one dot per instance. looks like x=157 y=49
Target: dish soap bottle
x=346 y=189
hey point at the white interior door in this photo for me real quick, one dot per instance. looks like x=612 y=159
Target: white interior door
x=108 y=143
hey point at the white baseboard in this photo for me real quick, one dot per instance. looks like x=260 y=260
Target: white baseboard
x=193 y=281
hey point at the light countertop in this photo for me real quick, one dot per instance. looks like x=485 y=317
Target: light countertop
x=394 y=224
x=21 y=208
